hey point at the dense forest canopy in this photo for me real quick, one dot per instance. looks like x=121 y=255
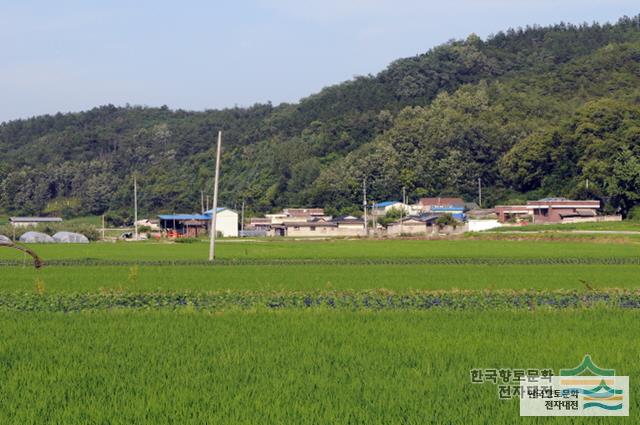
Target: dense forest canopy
x=533 y=112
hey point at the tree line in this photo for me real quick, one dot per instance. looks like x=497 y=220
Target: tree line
x=532 y=112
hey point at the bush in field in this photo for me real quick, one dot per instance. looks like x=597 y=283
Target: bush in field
x=634 y=213
x=187 y=240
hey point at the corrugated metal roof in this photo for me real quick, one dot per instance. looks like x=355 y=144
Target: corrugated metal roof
x=441 y=209
x=439 y=201
x=183 y=217
x=35 y=219
x=218 y=210
x=385 y=204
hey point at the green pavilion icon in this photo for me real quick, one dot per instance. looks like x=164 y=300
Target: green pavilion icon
x=598 y=393
x=587 y=365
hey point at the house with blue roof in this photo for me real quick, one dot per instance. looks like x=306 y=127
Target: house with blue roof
x=196 y=225
x=380 y=209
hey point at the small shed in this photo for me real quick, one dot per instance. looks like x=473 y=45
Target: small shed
x=36 y=237
x=69 y=237
x=32 y=221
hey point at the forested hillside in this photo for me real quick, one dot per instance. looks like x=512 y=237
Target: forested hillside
x=533 y=112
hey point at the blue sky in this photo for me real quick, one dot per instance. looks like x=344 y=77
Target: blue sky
x=74 y=55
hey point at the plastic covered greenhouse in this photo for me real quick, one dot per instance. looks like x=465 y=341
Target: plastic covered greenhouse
x=36 y=237
x=69 y=237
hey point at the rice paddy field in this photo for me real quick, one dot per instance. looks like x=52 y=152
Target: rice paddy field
x=308 y=332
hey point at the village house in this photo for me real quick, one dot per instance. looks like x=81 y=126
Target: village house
x=380 y=209
x=33 y=221
x=260 y=224
x=428 y=205
x=424 y=224
x=195 y=225
x=295 y=214
x=550 y=210
x=320 y=227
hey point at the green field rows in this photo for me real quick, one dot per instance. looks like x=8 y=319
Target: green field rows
x=336 y=249
x=313 y=332
x=320 y=277
x=292 y=367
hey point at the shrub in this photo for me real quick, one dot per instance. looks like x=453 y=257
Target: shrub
x=187 y=240
x=634 y=213
x=446 y=220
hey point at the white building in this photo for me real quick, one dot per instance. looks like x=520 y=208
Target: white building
x=226 y=222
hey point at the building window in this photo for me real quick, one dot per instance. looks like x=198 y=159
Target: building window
x=312 y=228
x=296 y=227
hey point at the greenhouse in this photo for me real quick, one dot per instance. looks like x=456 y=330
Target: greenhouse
x=69 y=237
x=36 y=237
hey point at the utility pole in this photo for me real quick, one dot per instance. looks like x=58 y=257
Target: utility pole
x=135 y=204
x=202 y=201
x=364 y=204
x=242 y=221
x=402 y=209
x=480 y=192
x=214 y=212
x=102 y=226
x=374 y=217
x=587 y=184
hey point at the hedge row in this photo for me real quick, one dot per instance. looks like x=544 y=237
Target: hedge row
x=350 y=300
x=339 y=261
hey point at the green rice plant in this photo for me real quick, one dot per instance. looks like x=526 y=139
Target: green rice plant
x=294 y=367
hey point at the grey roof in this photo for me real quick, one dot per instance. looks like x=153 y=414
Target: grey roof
x=35 y=219
x=36 y=237
x=347 y=219
x=425 y=218
x=552 y=199
x=69 y=237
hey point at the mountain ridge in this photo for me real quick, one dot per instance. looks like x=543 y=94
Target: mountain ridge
x=433 y=123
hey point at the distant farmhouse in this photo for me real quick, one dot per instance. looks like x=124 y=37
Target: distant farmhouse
x=428 y=204
x=320 y=226
x=307 y=222
x=382 y=208
x=453 y=206
x=550 y=210
x=415 y=225
x=33 y=221
x=195 y=225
